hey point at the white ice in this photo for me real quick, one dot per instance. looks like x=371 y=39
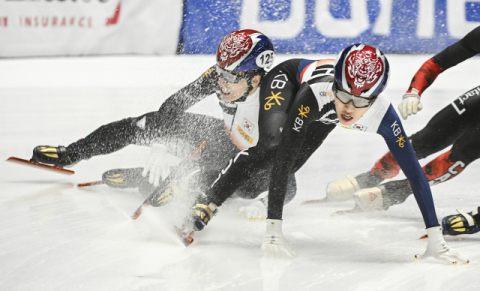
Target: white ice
x=55 y=236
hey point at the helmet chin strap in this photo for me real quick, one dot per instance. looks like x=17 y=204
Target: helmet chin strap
x=250 y=86
x=247 y=92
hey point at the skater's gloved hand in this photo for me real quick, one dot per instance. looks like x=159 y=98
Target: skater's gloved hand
x=256 y=210
x=274 y=242
x=438 y=249
x=410 y=105
x=158 y=164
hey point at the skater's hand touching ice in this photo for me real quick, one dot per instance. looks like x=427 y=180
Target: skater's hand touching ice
x=274 y=243
x=438 y=249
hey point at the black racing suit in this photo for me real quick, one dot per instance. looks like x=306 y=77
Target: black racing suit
x=277 y=94
x=182 y=132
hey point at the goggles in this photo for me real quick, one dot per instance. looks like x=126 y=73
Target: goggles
x=344 y=97
x=230 y=77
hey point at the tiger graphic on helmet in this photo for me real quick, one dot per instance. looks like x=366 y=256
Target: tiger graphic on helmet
x=364 y=67
x=241 y=51
x=362 y=70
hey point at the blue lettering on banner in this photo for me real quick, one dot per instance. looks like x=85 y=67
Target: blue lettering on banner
x=327 y=26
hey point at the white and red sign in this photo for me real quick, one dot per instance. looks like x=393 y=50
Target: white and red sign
x=89 y=27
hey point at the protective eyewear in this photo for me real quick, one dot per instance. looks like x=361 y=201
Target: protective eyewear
x=230 y=77
x=345 y=97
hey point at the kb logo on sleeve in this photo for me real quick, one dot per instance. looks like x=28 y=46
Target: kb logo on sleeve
x=397 y=131
x=299 y=120
x=273 y=100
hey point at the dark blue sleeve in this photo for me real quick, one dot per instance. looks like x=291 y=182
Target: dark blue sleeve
x=392 y=131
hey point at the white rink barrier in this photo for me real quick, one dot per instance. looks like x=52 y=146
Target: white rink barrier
x=31 y=28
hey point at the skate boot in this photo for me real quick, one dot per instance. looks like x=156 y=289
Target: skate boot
x=201 y=214
x=123 y=178
x=370 y=199
x=57 y=156
x=128 y=178
x=183 y=183
x=342 y=189
x=164 y=194
x=462 y=223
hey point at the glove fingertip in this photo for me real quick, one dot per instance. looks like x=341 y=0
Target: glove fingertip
x=165 y=174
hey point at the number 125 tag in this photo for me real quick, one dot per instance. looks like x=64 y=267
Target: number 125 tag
x=265 y=59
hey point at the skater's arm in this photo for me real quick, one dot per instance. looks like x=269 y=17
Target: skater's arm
x=303 y=112
x=189 y=95
x=458 y=52
x=392 y=131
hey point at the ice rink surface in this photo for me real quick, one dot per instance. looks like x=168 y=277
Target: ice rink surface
x=55 y=236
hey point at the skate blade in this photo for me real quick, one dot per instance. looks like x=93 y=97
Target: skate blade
x=425 y=236
x=343 y=212
x=184 y=234
x=90 y=184
x=32 y=163
x=316 y=201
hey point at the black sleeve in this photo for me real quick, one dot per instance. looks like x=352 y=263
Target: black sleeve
x=460 y=51
x=194 y=92
x=303 y=112
x=153 y=126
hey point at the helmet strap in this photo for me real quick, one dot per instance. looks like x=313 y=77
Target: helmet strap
x=249 y=78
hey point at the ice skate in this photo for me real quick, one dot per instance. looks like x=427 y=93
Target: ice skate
x=370 y=199
x=201 y=214
x=164 y=194
x=185 y=233
x=57 y=156
x=38 y=165
x=342 y=189
x=123 y=178
x=462 y=223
